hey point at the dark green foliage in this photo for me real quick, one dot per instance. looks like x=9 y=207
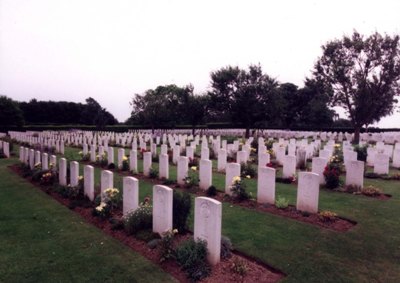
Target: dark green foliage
x=153 y=174
x=140 y=219
x=371 y=175
x=168 y=182
x=331 y=175
x=226 y=247
x=211 y=191
x=111 y=166
x=361 y=152
x=361 y=74
x=247 y=169
x=192 y=257
x=239 y=193
x=10 y=113
x=181 y=210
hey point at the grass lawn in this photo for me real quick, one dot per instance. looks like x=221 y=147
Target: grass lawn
x=43 y=241
x=370 y=252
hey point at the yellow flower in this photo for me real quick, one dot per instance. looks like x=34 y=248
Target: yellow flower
x=124 y=158
x=252 y=149
x=248 y=176
x=236 y=179
x=194 y=168
x=175 y=231
x=80 y=178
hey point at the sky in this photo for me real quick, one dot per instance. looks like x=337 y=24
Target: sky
x=69 y=50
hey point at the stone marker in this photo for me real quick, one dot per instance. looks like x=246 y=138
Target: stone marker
x=232 y=170
x=121 y=154
x=355 y=173
x=205 y=174
x=133 y=165
x=162 y=208
x=289 y=166
x=62 y=174
x=182 y=169
x=266 y=185
x=318 y=167
x=107 y=181
x=74 y=173
x=130 y=195
x=381 y=163
x=88 y=181
x=207 y=226
x=110 y=155
x=45 y=161
x=308 y=192
x=221 y=160
x=146 y=163
x=53 y=161
x=164 y=166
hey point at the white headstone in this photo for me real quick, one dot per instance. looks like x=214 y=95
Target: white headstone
x=289 y=166
x=107 y=181
x=266 y=185
x=162 y=208
x=355 y=173
x=318 y=167
x=88 y=181
x=74 y=173
x=182 y=170
x=133 y=165
x=308 y=192
x=164 y=166
x=62 y=172
x=381 y=163
x=45 y=161
x=232 y=171
x=207 y=226
x=221 y=160
x=205 y=174
x=130 y=197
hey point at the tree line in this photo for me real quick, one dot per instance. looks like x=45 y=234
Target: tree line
x=34 y=112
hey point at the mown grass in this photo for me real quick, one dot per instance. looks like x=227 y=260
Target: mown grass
x=370 y=252
x=43 y=241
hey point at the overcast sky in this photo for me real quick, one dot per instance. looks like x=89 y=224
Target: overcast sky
x=109 y=50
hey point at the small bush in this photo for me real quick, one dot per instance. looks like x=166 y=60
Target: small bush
x=371 y=191
x=239 y=266
x=181 y=210
x=140 y=219
x=238 y=189
x=331 y=174
x=281 y=202
x=371 y=175
x=153 y=173
x=327 y=216
x=247 y=170
x=168 y=182
x=192 y=257
x=361 y=152
x=211 y=191
x=226 y=247
x=166 y=249
x=193 y=162
x=192 y=180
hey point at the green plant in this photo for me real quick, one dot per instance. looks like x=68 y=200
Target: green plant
x=361 y=152
x=191 y=180
x=238 y=189
x=331 y=175
x=181 y=210
x=191 y=255
x=239 y=266
x=193 y=162
x=111 y=166
x=371 y=191
x=371 y=175
x=125 y=164
x=140 y=219
x=166 y=249
x=84 y=157
x=112 y=197
x=327 y=216
x=247 y=170
x=153 y=173
x=103 y=210
x=211 y=191
x=226 y=247
x=168 y=182
x=281 y=202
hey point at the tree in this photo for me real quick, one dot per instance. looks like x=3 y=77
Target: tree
x=196 y=110
x=244 y=95
x=10 y=113
x=363 y=74
x=161 y=107
x=94 y=114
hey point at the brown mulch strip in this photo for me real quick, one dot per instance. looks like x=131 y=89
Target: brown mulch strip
x=256 y=271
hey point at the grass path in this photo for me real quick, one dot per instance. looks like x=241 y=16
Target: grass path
x=43 y=241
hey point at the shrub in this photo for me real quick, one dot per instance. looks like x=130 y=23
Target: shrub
x=371 y=191
x=111 y=166
x=181 y=210
x=226 y=247
x=361 y=152
x=239 y=266
x=112 y=197
x=192 y=257
x=103 y=210
x=193 y=162
x=327 y=216
x=153 y=173
x=211 y=191
x=140 y=219
x=191 y=180
x=247 y=170
x=84 y=157
x=49 y=177
x=125 y=164
x=168 y=182
x=166 y=249
x=281 y=202
x=238 y=189
x=331 y=175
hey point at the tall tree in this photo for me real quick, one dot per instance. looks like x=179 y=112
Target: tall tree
x=363 y=74
x=242 y=94
x=10 y=113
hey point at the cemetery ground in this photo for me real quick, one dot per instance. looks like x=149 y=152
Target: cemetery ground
x=369 y=252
